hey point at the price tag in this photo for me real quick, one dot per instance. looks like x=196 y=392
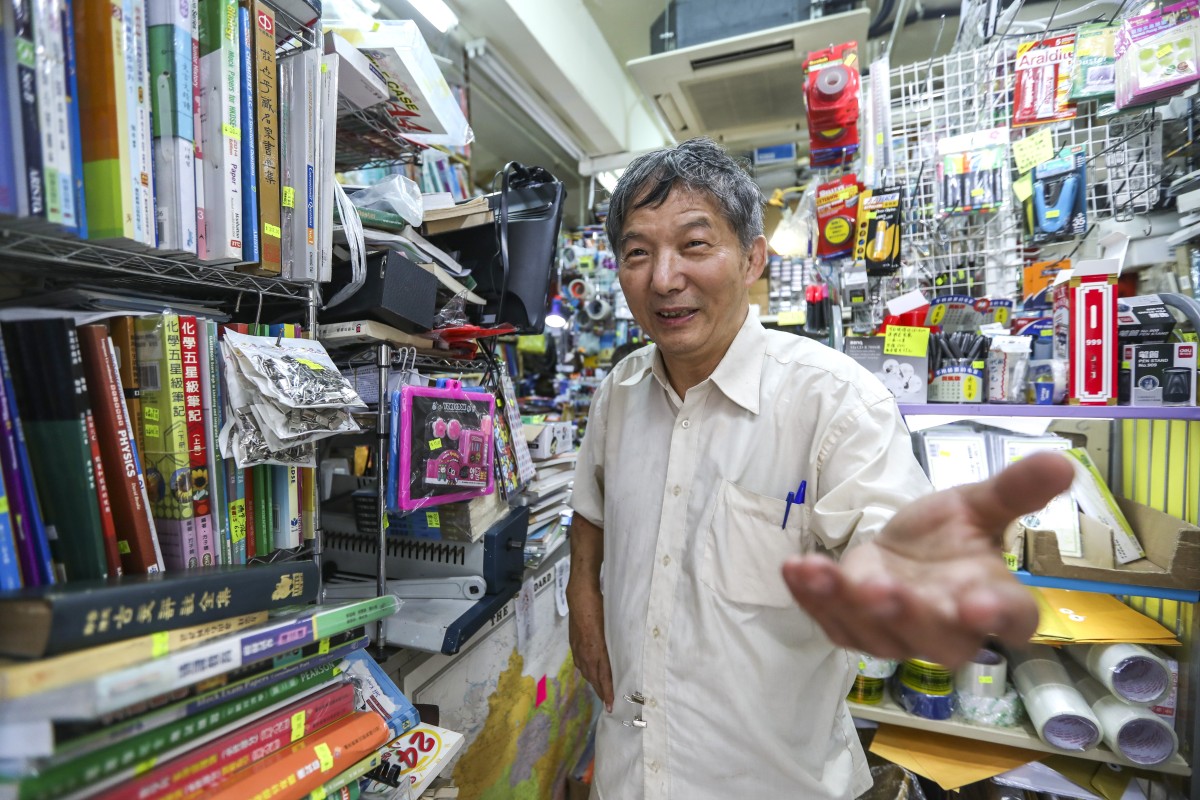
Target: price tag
x=791 y=318
x=152 y=431
x=1023 y=187
x=298 y=726
x=319 y=792
x=1033 y=150
x=435 y=444
x=145 y=766
x=160 y=644
x=313 y=365
x=150 y=413
x=906 y=340
x=1052 y=213
x=977 y=193
x=323 y=647
x=1010 y=561
x=289 y=197
x=324 y=756
x=232 y=131
x=272 y=230
x=985 y=679
x=122 y=544
x=1164 y=51
x=433 y=519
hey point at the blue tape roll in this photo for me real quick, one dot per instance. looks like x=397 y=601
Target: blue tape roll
x=929 y=706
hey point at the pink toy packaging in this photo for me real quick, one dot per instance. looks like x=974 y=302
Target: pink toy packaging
x=445 y=445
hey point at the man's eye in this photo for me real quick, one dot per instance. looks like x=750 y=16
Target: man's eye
x=634 y=253
x=697 y=243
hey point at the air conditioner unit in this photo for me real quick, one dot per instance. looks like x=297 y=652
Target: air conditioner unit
x=747 y=89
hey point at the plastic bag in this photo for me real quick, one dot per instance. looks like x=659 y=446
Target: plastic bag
x=296 y=373
x=453 y=314
x=395 y=194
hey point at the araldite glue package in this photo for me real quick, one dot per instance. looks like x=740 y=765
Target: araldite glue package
x=1043 y=86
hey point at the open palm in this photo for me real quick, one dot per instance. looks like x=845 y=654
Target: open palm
x=933 y=583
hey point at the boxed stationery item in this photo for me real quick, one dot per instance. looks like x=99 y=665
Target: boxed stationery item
x=549 y=439
x=1085 y=330
x=441 y=449
x=905 y=376
x=359 y=83
x=1056 y=211
x=1172 y=551
x=1144 y=318
x=1163 y=374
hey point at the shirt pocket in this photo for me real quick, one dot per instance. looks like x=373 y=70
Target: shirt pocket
x=747 y=546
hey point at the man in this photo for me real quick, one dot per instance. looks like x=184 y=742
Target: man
x=715 y=684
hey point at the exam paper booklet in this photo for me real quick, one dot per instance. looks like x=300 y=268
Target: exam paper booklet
x=417 y=757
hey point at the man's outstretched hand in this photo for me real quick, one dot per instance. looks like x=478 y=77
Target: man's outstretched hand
x=933 y=583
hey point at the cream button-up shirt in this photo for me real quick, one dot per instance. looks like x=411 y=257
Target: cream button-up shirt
x=742 y=694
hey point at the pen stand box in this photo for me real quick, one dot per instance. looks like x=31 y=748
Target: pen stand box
x=1172 y=551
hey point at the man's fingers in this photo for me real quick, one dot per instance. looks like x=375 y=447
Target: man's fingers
x=1006 y=611
x=604 y=688
x=1026 y=486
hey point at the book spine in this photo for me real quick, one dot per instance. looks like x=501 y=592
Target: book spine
x=214 y=464
x=305 y=765
x=252 y=512
x=144 y=168
x=132 y=79
x=229 y=592
x=205 y=768
x=198 y=133
x=33 y=544
x=124 y=338
x=73 y=126
x=266 y=128
x=108 y=528
x=345 y=786
x=221 y=122
x=312 y=74
x=287 y=179
x=197 y=439
x=250 y=230
x=327 y=133
x=10 y=564
x=12 y=199
x=26 y=65
x=170 y=46
x=144 y=748
x=52 y=114
x=164 y=417
x=92 y=540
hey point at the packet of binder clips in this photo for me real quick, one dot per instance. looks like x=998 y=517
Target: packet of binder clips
x=283 y=395
x=970 y=171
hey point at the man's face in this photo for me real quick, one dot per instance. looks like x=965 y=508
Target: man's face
x=685 y=277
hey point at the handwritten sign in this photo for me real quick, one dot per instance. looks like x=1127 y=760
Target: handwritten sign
x=905 y=340
x=1033 y=150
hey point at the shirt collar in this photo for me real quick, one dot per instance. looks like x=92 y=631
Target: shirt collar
x=738 y=376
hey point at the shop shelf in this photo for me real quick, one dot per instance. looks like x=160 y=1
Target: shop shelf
x=1103 y=587
x=961 y=410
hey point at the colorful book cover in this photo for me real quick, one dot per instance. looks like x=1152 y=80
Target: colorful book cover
x=266 y=126
x=74 y=130
x=165 y=459
x=22 y=38
x=250 y=230
x=197 y=439
x=170 y=44
x=33 y=546
x=108 y=528
x=198 y=132
x=51 y=84
x=379 y=693
x=107 y=149
x=220 y=122
x=10 y=563
x=13 y=192
x=144 y=190
x=124 y=337
x=418 y=755
x=209 y=365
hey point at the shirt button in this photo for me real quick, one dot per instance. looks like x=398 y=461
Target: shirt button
x=666 y=560
x=653 y=766
x=687 y=423
x=676 y=491
x=656 y=632
x=652 y=703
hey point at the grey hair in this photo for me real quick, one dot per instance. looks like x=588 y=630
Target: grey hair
x=697 y=165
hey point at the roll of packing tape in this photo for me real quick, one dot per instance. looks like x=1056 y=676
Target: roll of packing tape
x=867 y=691
x=924 y=704
x=832 y=81
x=1129 y=671
x=578 y=288
x=1061 y=716
x=1005 y=711
x=926 y=676
x=1135 y=732
x=598 y=308
x=872 y=667
x=985 y=676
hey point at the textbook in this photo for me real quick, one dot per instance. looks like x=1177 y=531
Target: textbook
x=220 y=68
x=57 y=164
x=197 y=440
x=170 y=44
x=266 y=128
x=251 y=251
x=417 y=756
x=51 y=620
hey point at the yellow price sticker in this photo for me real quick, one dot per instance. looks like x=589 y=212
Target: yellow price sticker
x=150 y=413
x=324 y=756
x=977 y=193
x=319 y=792
x=978 y=364
x=791 y=318
x=1053 y=213
x=160 y=644
x=433 y=519
x=122 y=544
x=985 y=679
x=1023 y=187
x=435 y=444
x=145 y=766
x=1164 y=51
x=152 y=431
x=906 y=340
x=323 y=647
x=313 y=365
x=1033 y=150
x=232 y=131
x=272 y=230
x=289 y=197
x=862 y=665
x=1010 y=561
x=298 y=726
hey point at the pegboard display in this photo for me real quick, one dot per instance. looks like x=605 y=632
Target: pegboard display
x=972 y=90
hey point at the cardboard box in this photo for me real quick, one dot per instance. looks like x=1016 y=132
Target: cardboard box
x=1172 y=551
x=550 y=439
x=1085 y=330
x=906 y=377
x=1145 y=318
x=1162 y=374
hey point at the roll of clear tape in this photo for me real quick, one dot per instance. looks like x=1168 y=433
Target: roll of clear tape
x=1005 y=711
x=872 y=667
x=1060 y=715
x=1129 y=671
x=1136 y=732
x=985 y=676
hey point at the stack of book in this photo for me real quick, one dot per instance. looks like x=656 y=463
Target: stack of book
x=110 y=461
x=170 y=124
x=213 y=683
x=548 y=497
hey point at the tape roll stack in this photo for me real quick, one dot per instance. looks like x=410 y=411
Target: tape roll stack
x=1129 y=671
x=925 y=689
x=867 y=691
x=1135 y=732
x=872 y=667
x=984 y=696
x=1061 y=716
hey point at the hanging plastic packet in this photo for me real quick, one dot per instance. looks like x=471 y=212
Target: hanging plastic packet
x=878 y=240
x=298 y=373
x=1057 y=209
x=1095 y=75
x=970 y=171
x=1043 y=84
x=1008 y=367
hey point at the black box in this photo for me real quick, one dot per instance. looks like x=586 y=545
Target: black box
x=397 y=293
x=1143 y=319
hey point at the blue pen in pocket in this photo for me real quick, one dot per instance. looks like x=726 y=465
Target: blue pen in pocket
x=796 y=498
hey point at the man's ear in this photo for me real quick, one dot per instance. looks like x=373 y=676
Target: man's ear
x=756 y=261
